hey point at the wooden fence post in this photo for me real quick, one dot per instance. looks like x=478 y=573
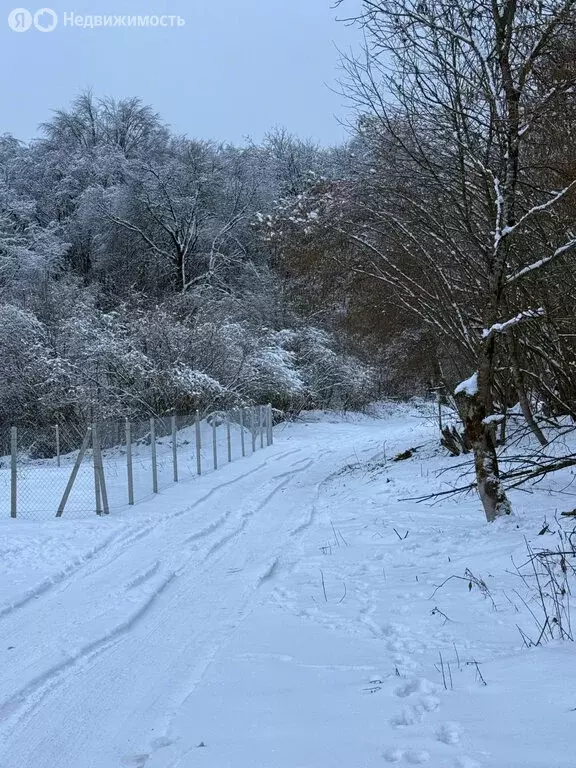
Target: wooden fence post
x=99 y=470
x=97 y=489
x=269 y=423
x=72 y=478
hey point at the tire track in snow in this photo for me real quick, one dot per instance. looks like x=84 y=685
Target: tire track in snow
x=215 y=490
x=285 y=478
x=209 y=631
x=308 y=518
x=216 y=524
x=52 y=581
x=264 y=572
x=120 y=541
x=110 y=549
x=142 y=577
x=22 y=703
x=286 y=454
x=165 y=742
x=166 y=755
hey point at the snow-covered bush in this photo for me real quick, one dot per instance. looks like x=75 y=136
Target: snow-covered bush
x=92 y=365
x=28 y=368
x=330 y=378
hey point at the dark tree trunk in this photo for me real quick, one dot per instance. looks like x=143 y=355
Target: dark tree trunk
x=476 y=407
x=522 y=396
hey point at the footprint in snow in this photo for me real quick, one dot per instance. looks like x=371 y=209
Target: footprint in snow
x=161 y=742
x=407 y=716
x=416 y=685
x=417 y=756
x=430 y=703
x=424 y=690
x=466 y=762
x=135 y=761
x=449 y=733
x=410 y=756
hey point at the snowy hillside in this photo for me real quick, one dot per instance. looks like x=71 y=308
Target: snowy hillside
x=298 y=609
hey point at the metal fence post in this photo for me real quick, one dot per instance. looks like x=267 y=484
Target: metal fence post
x=228 y=437
x=129 y=467
x=101 y=477
x=214 y=446
x=13 y=471
x=175 y=449
x=154 y=462
x=242 y=437
x=269 y=424
x=97 y=489
x=253 y=427
x=198 y=445
x=75 y=469
x=261 y=424
x=57 y=428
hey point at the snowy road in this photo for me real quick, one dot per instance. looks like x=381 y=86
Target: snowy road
x=294 y=610
x=96 y=666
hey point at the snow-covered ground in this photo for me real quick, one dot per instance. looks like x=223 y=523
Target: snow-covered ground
x=293 y=610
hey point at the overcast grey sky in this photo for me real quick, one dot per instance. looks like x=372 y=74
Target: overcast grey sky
x=237 y=67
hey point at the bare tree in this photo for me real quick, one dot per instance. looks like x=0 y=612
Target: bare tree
x=183 y=209
x=453 y=93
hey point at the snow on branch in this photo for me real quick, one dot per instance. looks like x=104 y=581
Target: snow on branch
x=556 y=196
x=541 y=262
x=468 y=387
x=528 y=314
x=495 y=418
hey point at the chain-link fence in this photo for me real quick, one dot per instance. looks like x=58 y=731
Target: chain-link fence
x=65 y=470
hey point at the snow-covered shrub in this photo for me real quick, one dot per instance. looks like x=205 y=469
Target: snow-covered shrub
x=185 y=389
x=28 y=369
x=277 y=378
x=252 y=366
x=330 y=378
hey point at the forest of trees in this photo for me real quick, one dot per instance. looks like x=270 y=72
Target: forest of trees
x=134 y=279
x=457 y=224
x=142 y=271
